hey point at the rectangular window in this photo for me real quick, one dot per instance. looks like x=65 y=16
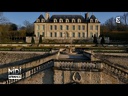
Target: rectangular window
x=50 y=34
x=60 y=34
x=38 y=27
x=78 y=34
x=78 y=27
x=83 y=27
x=43 y=27
x=96 y=27
x=55 y=27
x=91 y=34
x=50 y=27
x=55 y=34
x=61 y=27
x=91 y=27
x=83 y=34
x=42 y=34
x=96 y=34
x=38 y=34
x=73 y=27
x=67 y=27
x=73 y=34
x=67 y=34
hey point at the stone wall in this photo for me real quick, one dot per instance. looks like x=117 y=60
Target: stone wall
x=26 y=65
x=28 y=39
x=65 y=77
x=44 y=77
x=9 y=57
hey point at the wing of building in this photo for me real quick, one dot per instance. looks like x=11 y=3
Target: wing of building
x=66 y=26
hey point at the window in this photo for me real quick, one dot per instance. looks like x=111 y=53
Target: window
x=73 y=34
x=60 y=20
x=78 y=27
x=91 y=34
x=55 y=20
x=60 y=34
x=67 y=20
x=83 y=34
x=38 y=34
x=37 y=20
x=55 y=27
x=67 y=34
x=96 y=20
x=73 y=27
x=96 y=34
x=73 y=20
x=42 y=34
x=67 y=27
x=91 y=20
x=61 y=27
x=42 y=20
x=38 y=27
x=43 y=27
x=50 y=34
x=78 y=20
x=91 y=27
x=83 y=27
x=55 y=34
x=78 y=34
x=96 y=27
x=50 y=27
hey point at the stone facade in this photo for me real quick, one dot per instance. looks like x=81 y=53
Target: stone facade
x=66 y=26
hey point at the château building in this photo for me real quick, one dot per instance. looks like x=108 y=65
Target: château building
x=66 y=26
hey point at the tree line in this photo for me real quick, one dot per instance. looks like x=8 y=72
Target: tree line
x=111 y=25
x=10 y=32
x=116 y=31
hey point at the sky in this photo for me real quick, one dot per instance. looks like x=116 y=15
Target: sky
x=19 y=17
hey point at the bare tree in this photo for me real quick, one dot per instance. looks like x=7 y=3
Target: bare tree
x=125 y=18
x=3 y=19
x=29 y=28
x=110 y=23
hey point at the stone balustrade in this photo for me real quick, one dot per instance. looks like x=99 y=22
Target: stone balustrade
x=110 y=67
x=120 y=73
x=71 y=65
x=27 y=64
x=31 y=72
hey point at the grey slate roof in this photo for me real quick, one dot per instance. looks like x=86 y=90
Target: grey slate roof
x=70 y=17
x=40 y=17
x=64 y=17
x=92 y=17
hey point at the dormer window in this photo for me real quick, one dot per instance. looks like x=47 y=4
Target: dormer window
x=67 y=20
x=37 y=20
x=96 y=20
x=78 y=20
x=91 y=20
x=42 y=20
x=60 y=20
x=73 y=20
x=55 y=20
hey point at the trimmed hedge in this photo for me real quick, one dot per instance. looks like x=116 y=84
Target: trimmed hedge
x=121 y=36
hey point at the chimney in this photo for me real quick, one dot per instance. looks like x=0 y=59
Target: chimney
x=47 y=16
x=87 y=16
